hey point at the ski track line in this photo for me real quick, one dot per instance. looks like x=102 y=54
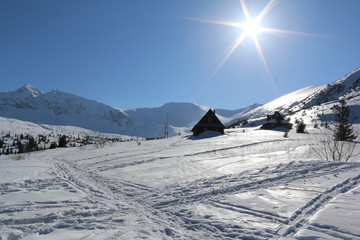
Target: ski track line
x=334 y=232
x=123 y=165
x=215 y=229
x=301 y=217
x=133 y=163
x=169 y=221
x=194 y=223
x=230 y=148
x=249 y=211
x=118 y=192
x=228 y=184
x=48 y=215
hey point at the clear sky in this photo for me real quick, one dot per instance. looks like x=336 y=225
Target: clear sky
x=144 y=53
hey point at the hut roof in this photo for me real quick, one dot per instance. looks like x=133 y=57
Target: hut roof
x=209 y=120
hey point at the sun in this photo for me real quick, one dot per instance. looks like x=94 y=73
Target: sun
x=251 y=27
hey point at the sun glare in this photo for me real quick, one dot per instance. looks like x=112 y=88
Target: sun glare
x=251 y=27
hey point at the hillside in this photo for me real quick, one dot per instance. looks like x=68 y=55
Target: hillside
x=347 y=87
x=283 y=104
x=312 y=103
x=58 y=108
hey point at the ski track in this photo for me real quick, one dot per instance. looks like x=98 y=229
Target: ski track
x=106 y=203
x=228 y=184
x=100 y=189
x=183 y=156
x=210 y=191
x=301 y=217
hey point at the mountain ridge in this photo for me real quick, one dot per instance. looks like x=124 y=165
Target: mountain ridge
x=59 y=108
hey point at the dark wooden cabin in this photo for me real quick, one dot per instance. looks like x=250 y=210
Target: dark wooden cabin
x=208 y=122
x=275 y=120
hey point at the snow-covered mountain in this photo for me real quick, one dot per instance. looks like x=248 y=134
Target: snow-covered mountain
x=347 y=87
x=59 y=108
x=316 y=100
x=283 y=104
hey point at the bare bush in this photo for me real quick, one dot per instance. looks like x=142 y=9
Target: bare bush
x=19 y=156
x=326 y=147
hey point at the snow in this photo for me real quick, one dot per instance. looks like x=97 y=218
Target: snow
x=245 y=184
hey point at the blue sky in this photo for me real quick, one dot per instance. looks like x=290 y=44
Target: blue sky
x=141 y=53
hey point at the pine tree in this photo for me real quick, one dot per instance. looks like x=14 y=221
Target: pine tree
x=62 y=141
x=20 y=147
x=31 y=146
x=343 y=129
x=53 y=145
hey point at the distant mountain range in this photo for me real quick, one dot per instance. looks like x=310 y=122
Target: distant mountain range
x=59 y=108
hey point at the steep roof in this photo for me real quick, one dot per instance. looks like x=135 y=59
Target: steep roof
x=209 y=120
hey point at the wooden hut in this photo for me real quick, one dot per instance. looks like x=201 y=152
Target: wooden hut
x=276 y=120
x=208 y=122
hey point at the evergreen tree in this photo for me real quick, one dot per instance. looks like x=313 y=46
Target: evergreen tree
x=53 y=145
x=62 y=141
x=20 y=147
x=31 y=146
x=343 y=129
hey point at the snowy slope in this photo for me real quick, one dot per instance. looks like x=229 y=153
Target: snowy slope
x=59 y=108
x=284 y=103
x=15 y=126
x=346 y=87
x=313 y=98
x=243 y=185
x=317 y=107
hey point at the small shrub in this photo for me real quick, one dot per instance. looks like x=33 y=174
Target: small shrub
x=53 y=145
x=300 y=126
x=17 y=157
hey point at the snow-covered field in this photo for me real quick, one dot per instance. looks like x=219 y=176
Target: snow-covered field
x=246 y=184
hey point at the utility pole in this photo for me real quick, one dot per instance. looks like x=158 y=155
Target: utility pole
x=166 y=127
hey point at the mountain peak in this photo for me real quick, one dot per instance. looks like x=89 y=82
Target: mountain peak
x=28 y=89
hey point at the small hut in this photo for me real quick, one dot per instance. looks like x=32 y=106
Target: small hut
x=276 y=120
x=208 y=122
